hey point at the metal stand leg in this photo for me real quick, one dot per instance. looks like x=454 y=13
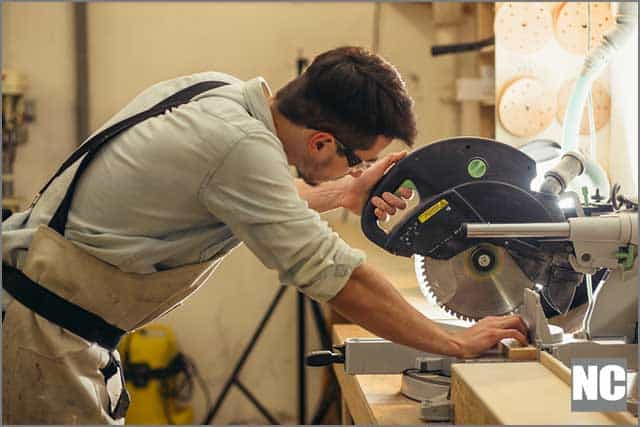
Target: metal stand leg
x=302 y=375
x=233 y=379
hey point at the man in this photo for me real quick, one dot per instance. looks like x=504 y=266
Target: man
x=125 y=234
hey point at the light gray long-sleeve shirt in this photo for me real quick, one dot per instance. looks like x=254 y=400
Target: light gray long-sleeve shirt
x=188 y=186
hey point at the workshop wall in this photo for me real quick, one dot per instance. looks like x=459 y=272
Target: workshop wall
x=45 y=57
x=540 y=50
x=248 y=40
x=135 y=45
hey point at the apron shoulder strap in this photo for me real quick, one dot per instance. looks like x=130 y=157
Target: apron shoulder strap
x=91 y=147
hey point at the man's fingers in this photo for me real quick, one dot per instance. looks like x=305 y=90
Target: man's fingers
x=512 y=322
x=405 y=192
x=380 y=214
x=390 y=160
x=395 y=157
x=394 y=201
x=512 y=333
x=382 y=205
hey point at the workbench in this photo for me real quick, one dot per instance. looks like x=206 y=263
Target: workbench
x=371 y=399
x=484 y=391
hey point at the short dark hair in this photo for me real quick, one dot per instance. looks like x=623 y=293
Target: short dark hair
x=352 y=93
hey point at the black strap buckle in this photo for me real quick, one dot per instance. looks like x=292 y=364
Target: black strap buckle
x=116 y=386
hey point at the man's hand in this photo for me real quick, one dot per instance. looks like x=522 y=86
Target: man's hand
x=370 y=300
x=488 y=332
x=358 y=188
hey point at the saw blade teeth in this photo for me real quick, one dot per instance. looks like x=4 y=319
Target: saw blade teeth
x=444 y=281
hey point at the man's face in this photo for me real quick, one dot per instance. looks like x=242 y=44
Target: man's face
x=322 y=160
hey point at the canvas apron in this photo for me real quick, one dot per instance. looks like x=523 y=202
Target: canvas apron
x=59 y=362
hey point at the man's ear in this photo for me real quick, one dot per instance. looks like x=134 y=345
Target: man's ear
x=319 y=140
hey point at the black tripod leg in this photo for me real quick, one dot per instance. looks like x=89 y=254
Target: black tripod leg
x=331 y=392
x=243 y=358
x=318 y=316
x=302 y=374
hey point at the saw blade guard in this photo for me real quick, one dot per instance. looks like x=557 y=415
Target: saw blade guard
x=457 y=180
x=466 y=180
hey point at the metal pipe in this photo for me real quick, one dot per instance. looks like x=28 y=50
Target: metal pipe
x=82 y=71
x=594 y=63
x=534 y=229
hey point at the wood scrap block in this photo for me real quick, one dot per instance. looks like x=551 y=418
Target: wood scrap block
x=513 y=350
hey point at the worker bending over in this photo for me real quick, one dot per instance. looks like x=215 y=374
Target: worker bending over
x=146 y=209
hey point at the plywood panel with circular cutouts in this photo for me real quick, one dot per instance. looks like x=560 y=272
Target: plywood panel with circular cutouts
x=571 y=25
x=523 y=27
x=539 y=51
x=526 y=107
x=601 y=105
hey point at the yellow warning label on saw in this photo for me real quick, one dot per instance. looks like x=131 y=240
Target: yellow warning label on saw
x=432 y=210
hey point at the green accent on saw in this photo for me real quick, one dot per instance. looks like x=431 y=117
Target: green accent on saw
x=626 y=256
x=585 y=195
x=407 y=183
x=477 y=168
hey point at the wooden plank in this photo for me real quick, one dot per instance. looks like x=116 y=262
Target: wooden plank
x=468 y=407
x=564 y=373
x=345 y=415
x=557 y=367
x=352 y=393
x=447 y=13
x=483 y=393
x=485 y=15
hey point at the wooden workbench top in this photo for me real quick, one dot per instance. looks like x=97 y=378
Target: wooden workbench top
x=373 y=399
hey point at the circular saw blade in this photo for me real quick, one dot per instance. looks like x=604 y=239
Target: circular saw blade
x=461 y=287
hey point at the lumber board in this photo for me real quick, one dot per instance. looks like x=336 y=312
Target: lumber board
x=529 y=392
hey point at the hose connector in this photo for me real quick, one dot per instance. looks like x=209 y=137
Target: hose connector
x=558 y=178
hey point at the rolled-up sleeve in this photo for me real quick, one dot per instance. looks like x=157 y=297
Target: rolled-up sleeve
x=253 y=192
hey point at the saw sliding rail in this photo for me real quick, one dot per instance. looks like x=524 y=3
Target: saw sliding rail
x=560 y=230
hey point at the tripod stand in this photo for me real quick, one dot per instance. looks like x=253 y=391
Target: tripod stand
x=302 y=395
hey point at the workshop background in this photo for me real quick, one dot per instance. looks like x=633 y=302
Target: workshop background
x=80 y=63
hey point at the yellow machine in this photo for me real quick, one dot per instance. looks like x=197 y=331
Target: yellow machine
x=159 y=377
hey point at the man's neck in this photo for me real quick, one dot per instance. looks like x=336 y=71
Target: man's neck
x=287 y=132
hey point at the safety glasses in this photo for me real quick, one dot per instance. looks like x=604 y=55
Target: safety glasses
x=353 y=160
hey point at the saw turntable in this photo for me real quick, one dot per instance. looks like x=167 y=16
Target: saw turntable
x=485 y=244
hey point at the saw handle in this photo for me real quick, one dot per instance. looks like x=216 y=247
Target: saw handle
x=325 y=357
x=368 y=220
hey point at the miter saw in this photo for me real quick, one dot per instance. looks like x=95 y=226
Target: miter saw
x=485 y=244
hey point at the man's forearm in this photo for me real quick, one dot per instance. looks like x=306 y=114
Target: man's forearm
x=370 y=300
x=323 y=197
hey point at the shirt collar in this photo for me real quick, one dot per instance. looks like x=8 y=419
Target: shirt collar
x=256 y=92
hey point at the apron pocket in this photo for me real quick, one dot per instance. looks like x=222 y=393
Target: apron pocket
x=53 y=390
